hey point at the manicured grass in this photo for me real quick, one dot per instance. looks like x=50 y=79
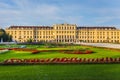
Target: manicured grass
x=58 y=71
x=61 y=72
x=99 y=53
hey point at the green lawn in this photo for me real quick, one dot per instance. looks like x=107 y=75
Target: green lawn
x=61 y=72
x=99 y=53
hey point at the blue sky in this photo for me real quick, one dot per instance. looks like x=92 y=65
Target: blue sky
x=49 y=12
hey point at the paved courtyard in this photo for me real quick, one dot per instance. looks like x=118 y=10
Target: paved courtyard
x=109 y=45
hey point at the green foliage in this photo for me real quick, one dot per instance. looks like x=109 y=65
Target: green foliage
x=6 y=37
x=30 y=40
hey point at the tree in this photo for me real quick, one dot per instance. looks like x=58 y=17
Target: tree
x=6 y=37
x=30 y=40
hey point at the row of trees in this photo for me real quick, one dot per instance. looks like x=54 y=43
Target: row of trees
x=4 y=36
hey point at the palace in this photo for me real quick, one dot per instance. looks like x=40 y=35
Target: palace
x=65 y=33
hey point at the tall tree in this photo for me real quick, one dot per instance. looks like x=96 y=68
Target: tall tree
x=4 y=36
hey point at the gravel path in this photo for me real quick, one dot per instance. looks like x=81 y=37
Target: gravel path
x=108 y=45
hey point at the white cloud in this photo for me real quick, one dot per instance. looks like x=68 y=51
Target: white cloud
x=26 y=12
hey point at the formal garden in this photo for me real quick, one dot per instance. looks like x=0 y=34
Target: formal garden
x=58 y=62
x=58 y=54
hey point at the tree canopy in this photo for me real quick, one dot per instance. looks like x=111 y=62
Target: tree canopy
x=6 y=37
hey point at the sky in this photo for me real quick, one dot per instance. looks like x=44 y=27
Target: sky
x=49 y=12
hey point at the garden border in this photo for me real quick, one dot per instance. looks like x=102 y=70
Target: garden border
x=107 y=60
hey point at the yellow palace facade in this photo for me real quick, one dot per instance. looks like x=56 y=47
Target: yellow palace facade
x=65 y=33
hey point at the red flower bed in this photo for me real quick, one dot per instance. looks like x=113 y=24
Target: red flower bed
x=88 y=51
x=2 y=48
x=77 y=51
x=63 y=60
x=25 y=49
x=35 y=52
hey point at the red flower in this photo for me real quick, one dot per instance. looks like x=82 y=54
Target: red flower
x=88 y=51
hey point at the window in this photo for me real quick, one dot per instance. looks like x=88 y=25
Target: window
x=27 y=32
x=117 y=33
x=15 y=32
x=19 y=37
x=43 y=32
x=59 y=27
x=60 y=36
x=57 y=36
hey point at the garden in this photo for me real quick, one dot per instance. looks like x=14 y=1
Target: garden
x=58 y=54
x=72 y=62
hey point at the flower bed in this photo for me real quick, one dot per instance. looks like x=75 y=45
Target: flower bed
x=78 y=51
x=33 y=51
x=2 y=48
x=62 y=60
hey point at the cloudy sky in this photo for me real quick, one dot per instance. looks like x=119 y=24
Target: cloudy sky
x=49 y=12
